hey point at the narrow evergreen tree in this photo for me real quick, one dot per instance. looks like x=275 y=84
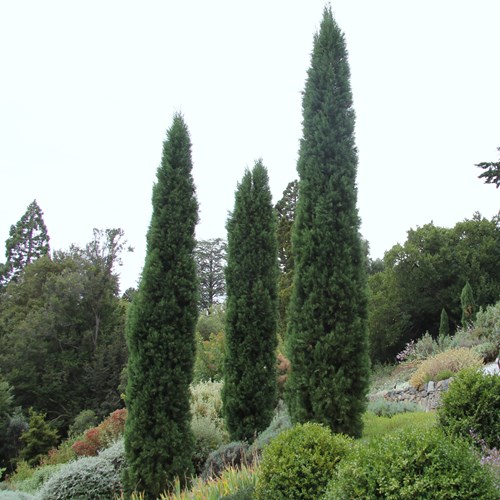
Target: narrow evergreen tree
x=160 y=330
x=249 y=392
x=28 y=240
x=468 y=305
x=327 y=336
x=444 y=324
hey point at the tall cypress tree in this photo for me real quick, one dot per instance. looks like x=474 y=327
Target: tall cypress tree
x=160 y=330
x=249 y=393
x=327 y=336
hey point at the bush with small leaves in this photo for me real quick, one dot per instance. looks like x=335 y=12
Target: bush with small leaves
x=232 y=455
x=383 y=408
x=453 y=360
x=88 y=478
x=300 y=462
x=207 y=438
x=412 y=464
x=36 y=479
x=38 y=439
x=15 y=495
x=472 y=403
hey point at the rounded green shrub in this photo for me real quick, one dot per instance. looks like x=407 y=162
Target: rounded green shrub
x=412 y=464
x=88 y=478
x=299 y=462
x=472 y=404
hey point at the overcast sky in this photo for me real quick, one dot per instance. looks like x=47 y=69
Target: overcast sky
x=88 y=90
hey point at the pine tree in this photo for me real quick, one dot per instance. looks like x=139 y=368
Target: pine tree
x=468 y=305
x=444 y=324
x=249 y=393
x=161 y=330
x=28 y=240
x=327 y=336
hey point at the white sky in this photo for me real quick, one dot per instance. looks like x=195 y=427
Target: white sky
x=88 y=89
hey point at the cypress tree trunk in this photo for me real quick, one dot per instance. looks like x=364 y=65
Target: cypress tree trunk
x=160 y=330
x=249 y=392
x=327 y=336
x=468 y=305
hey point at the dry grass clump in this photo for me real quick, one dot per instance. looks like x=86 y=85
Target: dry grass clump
x=453 y=360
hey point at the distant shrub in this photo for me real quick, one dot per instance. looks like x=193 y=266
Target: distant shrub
x=209 y=357
x=281 y=422
x=412 y=464
x=102 y=436
x=36 y=478
x=38 y=439
x=299 y=462
x=383 y=408
x=88 y=478
x=85 y=420
x=453 y=360
x=472 y=403
x=206 y=401
x=487 y=325
x=425 y=347
x=207 y=438
x=231 y=455
x=487 y=350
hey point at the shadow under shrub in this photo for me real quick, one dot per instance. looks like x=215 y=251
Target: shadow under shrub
x=300 y=462
x=472 y=403
x=412 y=464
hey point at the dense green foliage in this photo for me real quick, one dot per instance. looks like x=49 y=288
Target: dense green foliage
x=327 y=339
x=249 y=392
x=300 y=462
x=472 y=404
x=28 y=240
x=426 y=274
x=210 y=256
x=161 y=330
x=412 y=464
x=62 y=344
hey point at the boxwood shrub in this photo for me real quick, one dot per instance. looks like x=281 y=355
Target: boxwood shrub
x=413 y=464
x=299 y=462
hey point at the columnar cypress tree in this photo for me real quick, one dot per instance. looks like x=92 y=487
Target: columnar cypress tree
x=327 y=336
x=444 y=324
x=468 y=305
x=160 y=330
x=249 y=393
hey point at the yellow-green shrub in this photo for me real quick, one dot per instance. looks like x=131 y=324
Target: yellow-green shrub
x=453 y=360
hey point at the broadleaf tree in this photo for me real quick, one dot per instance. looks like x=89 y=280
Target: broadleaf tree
x=249 y=391
x=28 y=240
x=161 y=330
x=327 y=335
